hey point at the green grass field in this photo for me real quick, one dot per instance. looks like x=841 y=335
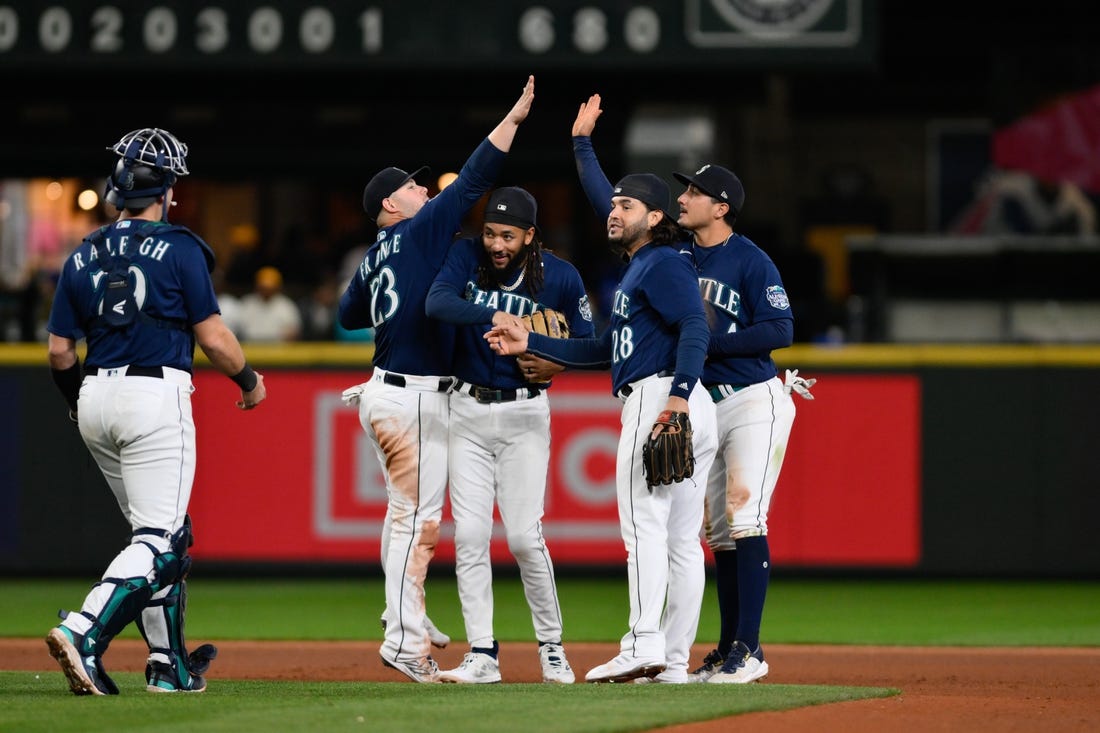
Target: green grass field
x=864 y=611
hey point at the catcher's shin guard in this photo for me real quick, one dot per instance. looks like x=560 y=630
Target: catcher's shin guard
x=131 y=593
x=123 y=605
x=162 y=626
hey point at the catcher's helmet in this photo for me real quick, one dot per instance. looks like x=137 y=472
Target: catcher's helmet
x=150 y=161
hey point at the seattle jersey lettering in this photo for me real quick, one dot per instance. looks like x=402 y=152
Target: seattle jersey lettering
x=721 y=296
x=511 y=303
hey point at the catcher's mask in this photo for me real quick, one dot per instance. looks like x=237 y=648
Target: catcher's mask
x=150 y=162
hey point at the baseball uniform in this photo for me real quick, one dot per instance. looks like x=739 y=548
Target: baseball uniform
x=134 y=409
x=500 y=436
x=655 y=346
x=403 y=408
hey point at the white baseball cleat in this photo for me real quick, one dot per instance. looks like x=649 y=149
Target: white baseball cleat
x=625 y=668
x=667 y=677
x=476 y=669
x=741 y=666
x=418 y=670
x=555 y=667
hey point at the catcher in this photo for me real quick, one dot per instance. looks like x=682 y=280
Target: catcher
x=500 y=420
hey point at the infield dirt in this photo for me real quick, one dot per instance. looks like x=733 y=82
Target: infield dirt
x=1054 y=690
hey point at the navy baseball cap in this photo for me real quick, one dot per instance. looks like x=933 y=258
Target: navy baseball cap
x=512 y=206
x=384 y=183
x=648 y=188
x=718 y=183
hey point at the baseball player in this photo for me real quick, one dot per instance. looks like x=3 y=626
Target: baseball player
x=654 y=346
x=750 y=315
x=500 y=423
x=139 y=290
x=404 y=407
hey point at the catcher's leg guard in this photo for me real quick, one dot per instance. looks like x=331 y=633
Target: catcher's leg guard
x=162 y=626
x=130 y=582
x=161 y=623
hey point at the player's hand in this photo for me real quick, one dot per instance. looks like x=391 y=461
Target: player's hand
x=255 y=396
x=537 y=369
x=523 y=104
x=502 y=319
x=507 y=340
x=586 y=116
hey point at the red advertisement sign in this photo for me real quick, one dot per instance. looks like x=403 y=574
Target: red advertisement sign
x=297 y=481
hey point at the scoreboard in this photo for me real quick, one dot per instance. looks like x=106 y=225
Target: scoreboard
x=453 y=34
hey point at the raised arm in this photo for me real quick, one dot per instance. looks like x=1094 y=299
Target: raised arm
x=502 y=135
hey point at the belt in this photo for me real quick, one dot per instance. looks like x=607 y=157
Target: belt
x=486 y=395
x=719 y=392
x=133 y=371
x=629 y=389
x=398 y=380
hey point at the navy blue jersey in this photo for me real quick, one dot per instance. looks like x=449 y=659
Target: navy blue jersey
x=657 y=325
x=391 y=285
x=171 y=280
x=742 y=288
x=456 y=297
x=738 y=281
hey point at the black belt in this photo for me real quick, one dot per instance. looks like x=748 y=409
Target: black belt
x=398 y=380
x=135 y=371
x=485 y=395
x=627 y=390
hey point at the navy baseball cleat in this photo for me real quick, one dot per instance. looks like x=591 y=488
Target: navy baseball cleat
x=165 y=677
x=712 y=662
x=84 y=673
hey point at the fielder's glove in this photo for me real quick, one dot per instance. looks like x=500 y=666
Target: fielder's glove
x=799 y=385
x=548 y=322
x=667 y=455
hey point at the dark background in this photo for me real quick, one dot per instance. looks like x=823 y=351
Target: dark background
x=925 y=89
x=934 y=58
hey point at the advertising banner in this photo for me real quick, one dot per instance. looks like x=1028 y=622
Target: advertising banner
x=297 y=481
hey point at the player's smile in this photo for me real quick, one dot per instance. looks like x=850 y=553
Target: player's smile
x=503 y=243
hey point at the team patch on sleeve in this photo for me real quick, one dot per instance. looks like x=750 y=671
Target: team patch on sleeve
x=777 y=296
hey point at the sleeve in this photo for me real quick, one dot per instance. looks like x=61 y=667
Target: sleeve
x=437 y=223
x=576 y=307
x=758 y=338
x=354 y=310
x=197 y=285
x=63 y=320
x=593 y=180
x=446 y=299
x=577 y=353
x=673 y=290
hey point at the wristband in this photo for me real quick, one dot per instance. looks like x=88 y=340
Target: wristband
x=68 y=383
x=246 y=379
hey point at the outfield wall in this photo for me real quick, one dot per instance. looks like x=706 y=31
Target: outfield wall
x=937 y=460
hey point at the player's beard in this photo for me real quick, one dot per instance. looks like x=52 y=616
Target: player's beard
x=630 y=237
x=506 y=274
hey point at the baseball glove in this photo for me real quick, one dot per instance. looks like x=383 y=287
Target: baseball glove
x=667 y=455
x=548 y=322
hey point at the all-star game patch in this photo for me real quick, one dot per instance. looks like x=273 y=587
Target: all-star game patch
x=777 y=296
